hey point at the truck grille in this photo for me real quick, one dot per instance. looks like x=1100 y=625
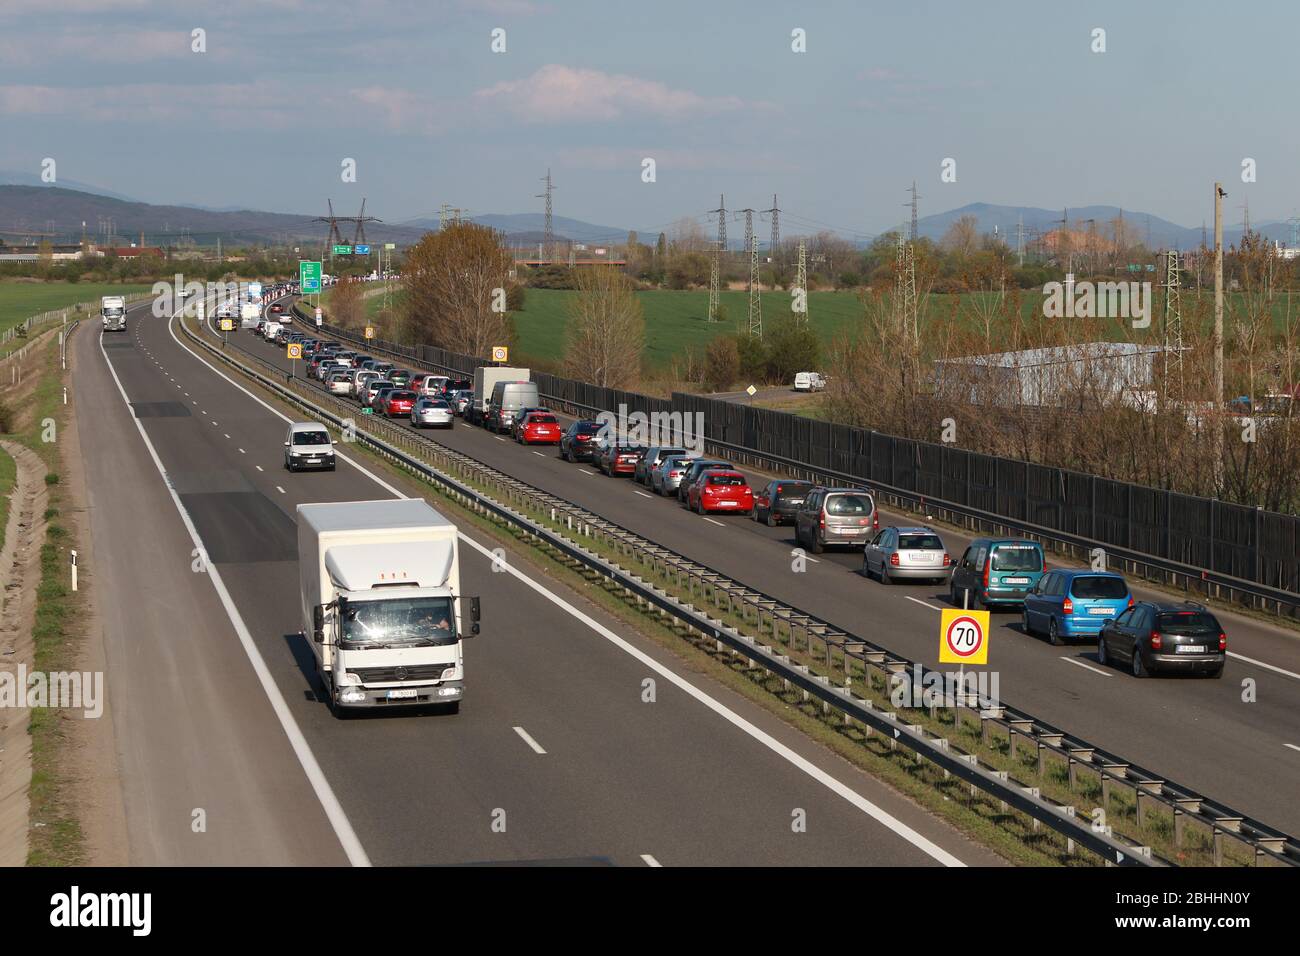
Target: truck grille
x=390 y=675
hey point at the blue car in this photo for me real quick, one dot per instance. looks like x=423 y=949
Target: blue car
x=1072 y=604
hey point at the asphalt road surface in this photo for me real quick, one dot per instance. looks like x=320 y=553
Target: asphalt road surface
x=215 y=700
x=1205 y=734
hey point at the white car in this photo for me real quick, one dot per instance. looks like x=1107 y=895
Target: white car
x=308 y=445
x=339 y=383
x=809 y=382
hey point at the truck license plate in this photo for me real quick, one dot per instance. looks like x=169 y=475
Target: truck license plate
x=404 y=693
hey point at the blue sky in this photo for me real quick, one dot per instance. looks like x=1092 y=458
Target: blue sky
x=710 y=90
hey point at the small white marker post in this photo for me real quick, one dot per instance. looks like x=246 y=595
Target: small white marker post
x=65 y=394
x=74 y=570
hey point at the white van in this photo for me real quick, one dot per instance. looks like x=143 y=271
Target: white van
x=507 y=399
x=809 y=382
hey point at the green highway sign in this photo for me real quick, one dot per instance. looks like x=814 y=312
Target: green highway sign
x=309 y=277
x=341 y=250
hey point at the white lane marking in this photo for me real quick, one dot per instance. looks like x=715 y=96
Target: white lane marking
x=279 y=489
x=356 y=853
x=809 y=557
x=849 y=795
x=922 y=603
x=241 y=451
x=1292 y=746
x=527 y=738
x=498 y=438
x=1087 y=667
x=1251 y=660
x=227 y=435
x=642 y=494
x=259 y=468
x=711 y=521
x=584 y=471
x=650 y=861
x=539 y=454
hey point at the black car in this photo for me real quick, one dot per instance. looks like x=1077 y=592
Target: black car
x=579 y=442
x=1150 y=637
x=778 y=500
x=697 y=467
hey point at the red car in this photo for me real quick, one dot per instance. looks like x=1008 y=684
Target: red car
x=399 y=403
x=277 y=308
x=619 y=460
x=720 y=490
x=539 y=427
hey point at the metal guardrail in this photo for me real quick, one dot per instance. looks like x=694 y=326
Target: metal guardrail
x=772 y=616
x=1210 y=584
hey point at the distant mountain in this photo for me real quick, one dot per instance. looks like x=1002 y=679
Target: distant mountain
x=11 y=178
x=530 y=227
x=1156 y=232
x=25 y=208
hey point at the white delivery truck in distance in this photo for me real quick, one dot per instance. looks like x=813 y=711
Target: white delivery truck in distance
x=485 y=380
x=113 y=310
x=381 y=603
x=249 y=314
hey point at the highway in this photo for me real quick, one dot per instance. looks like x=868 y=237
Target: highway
x=554 y=757
x=1220 y=737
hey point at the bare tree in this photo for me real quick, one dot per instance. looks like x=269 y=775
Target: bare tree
x=606 y=330
x=456 y=281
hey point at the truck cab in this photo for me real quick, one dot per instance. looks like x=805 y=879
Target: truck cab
x=382 y=603
x=113 y=310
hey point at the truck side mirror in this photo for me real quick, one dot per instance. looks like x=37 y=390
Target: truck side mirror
x=474 y=614
x=318 y=617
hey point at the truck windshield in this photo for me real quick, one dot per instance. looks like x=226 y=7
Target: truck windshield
x=416 y=622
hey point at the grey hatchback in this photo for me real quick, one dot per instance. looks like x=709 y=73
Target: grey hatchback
x=835 y=517
x=906 y=553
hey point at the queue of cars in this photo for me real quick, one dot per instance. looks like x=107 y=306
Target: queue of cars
x=994 y=574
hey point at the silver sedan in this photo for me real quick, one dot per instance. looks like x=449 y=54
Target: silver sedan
x=667 y=475
x=432 y=412
x=906 y=554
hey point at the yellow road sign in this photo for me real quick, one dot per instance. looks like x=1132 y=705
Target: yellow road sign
x=227 y=325
x=963 y=636
x=500 y=353
x=293 y=351
x=370 y=331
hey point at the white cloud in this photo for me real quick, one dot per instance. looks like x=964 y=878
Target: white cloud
x=557 y=93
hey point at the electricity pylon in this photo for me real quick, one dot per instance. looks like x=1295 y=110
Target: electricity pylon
x=801 y=281
x=714 y=282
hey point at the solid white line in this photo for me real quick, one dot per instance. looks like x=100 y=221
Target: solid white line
x=650 y=861
x=711 y=521
x=851 y=796
x=922 y=603
x=1251 y=660
x=316 y=777
x=1087 y=667
x=529 y=740
x=1292 y=746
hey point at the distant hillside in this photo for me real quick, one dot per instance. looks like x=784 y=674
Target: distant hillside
x=530 y=226
x=30 y=208
x=1162 y=233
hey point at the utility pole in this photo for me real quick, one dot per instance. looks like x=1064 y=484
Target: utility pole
x=912 y=235
x=755 y=303
x=776 y=229
x=548 y=233
x=1020 y=239
x=1219 y=195
x=1173 y=337
x=714 y=284
x=801 y=281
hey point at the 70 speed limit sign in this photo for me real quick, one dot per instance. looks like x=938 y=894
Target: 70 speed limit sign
x=964 y=637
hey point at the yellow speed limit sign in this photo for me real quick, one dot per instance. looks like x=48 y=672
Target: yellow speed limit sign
x=370 y=331
x=293 y=351
x=964 y=637
x=227 y=325
x=500 y=353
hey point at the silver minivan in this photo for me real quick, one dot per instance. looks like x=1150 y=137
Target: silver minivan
x=832 y=517
x=506 y=401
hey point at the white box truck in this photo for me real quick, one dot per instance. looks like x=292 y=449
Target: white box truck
x=113 y=310
x=249 y=314
x=485 y=380
x=381 y=603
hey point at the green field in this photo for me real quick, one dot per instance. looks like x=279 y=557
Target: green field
x=676 y=321
x=18 y=300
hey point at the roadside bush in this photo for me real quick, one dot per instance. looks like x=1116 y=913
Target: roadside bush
x=6 y=417
x=721 y=364
x=753 y=358
x=791 y=347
